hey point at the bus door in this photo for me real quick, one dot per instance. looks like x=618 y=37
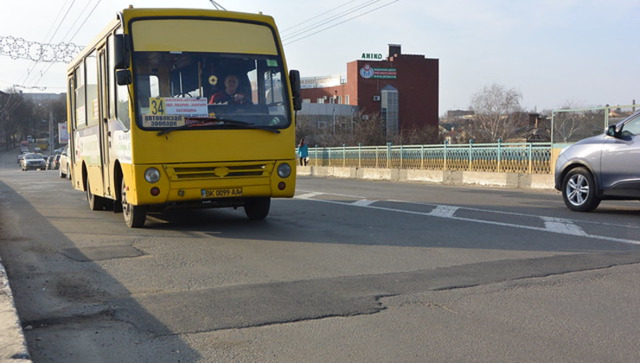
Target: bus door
x=105 y=134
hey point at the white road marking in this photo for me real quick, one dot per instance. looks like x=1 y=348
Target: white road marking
x=563 y=226
x=444 y=211
x=363 y=202
x=308 y=195
x=552 y=225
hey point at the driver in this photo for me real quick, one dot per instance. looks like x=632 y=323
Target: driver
x=230 y=94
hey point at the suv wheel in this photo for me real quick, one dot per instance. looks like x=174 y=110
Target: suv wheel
x=579 y=190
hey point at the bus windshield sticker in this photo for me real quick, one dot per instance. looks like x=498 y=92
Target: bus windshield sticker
x=178 y=106
x=162 y=121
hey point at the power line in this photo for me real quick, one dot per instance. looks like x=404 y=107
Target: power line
x=342 y=22
x=315 y=17
x=321 y=22
x=73 y=36
x=29 y=72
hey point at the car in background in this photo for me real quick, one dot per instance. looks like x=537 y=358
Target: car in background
x=33 y=161
x=20 y=157
x=53 y=162
x=63 y=164
x=602 y=167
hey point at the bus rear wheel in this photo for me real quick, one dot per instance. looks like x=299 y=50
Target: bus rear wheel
x=95 y=202
x=134 y=215
x=257 y=208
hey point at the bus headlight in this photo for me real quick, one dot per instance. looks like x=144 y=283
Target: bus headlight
x=152 y=175
x=284 y=170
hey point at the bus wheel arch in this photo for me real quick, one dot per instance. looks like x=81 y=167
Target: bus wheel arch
x=117 y=182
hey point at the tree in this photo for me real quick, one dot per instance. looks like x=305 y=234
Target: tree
x=11 y=106
x=347 y=130
x=498 y=113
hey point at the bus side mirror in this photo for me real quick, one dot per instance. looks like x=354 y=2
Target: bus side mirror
x=121 y=52
x=294 y=78
x=123 y=77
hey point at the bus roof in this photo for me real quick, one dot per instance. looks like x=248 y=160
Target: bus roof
x=131 y=13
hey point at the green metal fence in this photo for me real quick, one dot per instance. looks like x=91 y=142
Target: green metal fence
x=499 y=157
x=571 y=125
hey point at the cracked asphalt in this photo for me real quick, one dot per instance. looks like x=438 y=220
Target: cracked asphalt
x=346 y=271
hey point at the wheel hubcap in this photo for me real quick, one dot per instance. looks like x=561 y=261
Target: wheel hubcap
x=577 y=190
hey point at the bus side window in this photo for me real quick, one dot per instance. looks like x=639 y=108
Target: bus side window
x=121 y=93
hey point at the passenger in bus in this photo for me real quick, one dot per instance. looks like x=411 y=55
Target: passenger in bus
x=230 y=95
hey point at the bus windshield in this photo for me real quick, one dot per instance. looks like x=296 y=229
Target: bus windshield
x=176 y=89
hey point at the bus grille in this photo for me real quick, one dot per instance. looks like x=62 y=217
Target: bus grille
x=217 y=171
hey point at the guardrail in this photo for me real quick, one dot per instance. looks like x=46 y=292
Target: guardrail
x=532 y=158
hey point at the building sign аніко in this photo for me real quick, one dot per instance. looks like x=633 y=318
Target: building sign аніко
x=377 y=73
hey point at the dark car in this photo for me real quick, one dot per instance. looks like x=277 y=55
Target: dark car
x=33 y=161
x=602 y=167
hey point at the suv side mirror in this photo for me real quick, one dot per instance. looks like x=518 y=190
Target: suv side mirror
x=613 y=131
x=294 y=78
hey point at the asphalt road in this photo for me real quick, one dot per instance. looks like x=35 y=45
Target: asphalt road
x=346 y=271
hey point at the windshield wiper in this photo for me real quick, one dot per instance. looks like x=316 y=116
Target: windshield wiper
x=213 y=121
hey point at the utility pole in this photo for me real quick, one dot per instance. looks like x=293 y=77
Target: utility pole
x=51 y=128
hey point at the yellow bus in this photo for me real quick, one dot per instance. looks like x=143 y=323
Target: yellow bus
x=173 y=108
x=43 y=144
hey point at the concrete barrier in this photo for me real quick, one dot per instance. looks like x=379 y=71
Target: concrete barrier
x=446 y=177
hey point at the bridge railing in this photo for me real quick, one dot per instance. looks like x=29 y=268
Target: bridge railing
x=498 y=157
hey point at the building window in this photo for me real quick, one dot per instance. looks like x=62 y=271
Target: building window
x=346 y=100
x=320 y=100
x=389 y=110
x=306 y=100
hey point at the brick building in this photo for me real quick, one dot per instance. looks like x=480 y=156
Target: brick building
x=403 y=88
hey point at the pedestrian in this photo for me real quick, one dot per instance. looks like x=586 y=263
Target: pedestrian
x=303 y=153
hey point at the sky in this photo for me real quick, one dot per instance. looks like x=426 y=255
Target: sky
x=554 y=52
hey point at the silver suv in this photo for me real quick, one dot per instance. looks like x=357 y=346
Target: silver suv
x=602 y=167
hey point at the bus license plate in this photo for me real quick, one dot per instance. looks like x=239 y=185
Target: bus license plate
x=221 y=193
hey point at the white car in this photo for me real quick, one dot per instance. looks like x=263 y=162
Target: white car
x=33 y=161
x=64 y=168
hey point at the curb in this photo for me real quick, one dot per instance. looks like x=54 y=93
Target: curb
x=12 y=343
x=443 y=177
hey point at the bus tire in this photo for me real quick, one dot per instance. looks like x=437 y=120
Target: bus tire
x=257 y=208
x=134 y=215
x=95 y=202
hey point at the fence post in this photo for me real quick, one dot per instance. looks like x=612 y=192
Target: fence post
x=376 y=156
x=401 y=155
x=359 y=155
x=317 y=155
x=344 y=155
x=388 y=155
x=329 y=157
x=444 y=166
x=422 y=156
x=530 y=158
x=470 y=155
x=499 y=154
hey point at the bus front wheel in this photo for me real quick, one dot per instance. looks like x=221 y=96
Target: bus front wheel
x=134 y=215
x=257 y=208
